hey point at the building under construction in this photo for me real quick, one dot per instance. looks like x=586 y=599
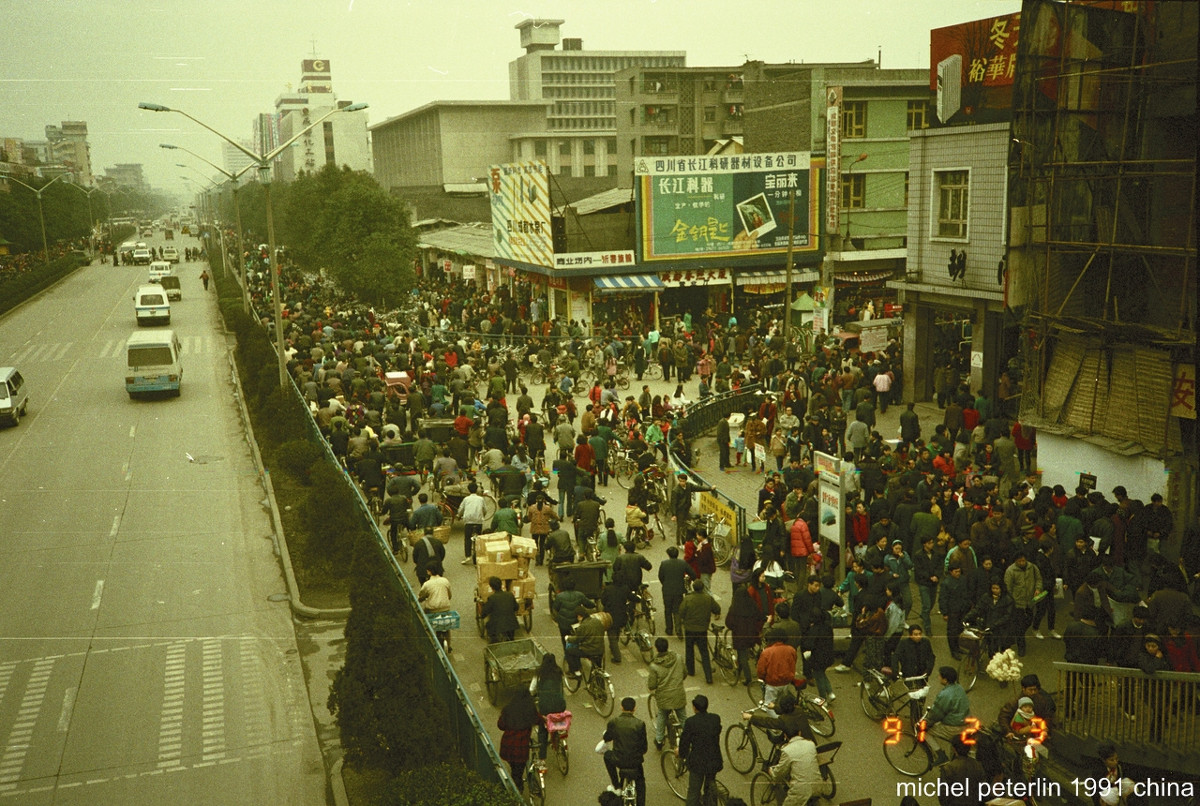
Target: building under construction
x=1102 y=243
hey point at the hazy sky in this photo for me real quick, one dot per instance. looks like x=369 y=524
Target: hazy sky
x=224 y=62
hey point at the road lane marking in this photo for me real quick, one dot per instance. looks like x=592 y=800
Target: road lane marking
x=132 y=431
x=62 y=353
x=108 y=345
x=13 y=760
x=116 y=525
x=68 y=706
x=97 y=594
x=170 y=750
x=212 y=716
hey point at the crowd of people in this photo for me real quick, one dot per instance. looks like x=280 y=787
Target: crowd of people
x=955 y=521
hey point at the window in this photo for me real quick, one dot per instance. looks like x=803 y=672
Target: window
x=906 y=188
x=589 y=146
x=854 y=119
x=710 y=114
x=854 y=190
x=610 y=143
x=918 y=115
x=658 y=145
x=539 y=148
x=953 y=189
x=564 y=148
x=612 y=169
x=589 y=170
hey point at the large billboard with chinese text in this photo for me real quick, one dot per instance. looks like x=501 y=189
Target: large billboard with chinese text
x=983 y=56
x=520 y=196
x=734 y=205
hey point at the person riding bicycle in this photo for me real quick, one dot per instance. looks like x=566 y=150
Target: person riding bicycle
x=913 y=657
x=664 y=681
x=627 y=572
x=700 y=746
x=559 y=547
x=635 y=523
x=547 y=689
x=563 y=607
x=628 y=736
x=949 y=713
x=786 y=719
x=798 y=767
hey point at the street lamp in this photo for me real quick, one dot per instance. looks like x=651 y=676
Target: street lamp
x=240 y=273
x=848 y=245
x=41 y=214
x=91 y=223
x=263 y=161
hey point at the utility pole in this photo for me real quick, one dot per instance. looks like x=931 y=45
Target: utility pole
x=787 y=306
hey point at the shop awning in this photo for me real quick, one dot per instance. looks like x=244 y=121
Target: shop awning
x=775 y=277
x=628 y=283
x=864 y=277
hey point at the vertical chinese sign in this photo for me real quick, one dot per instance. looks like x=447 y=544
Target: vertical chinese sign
x=520 y=196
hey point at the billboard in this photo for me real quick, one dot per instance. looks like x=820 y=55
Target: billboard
x=520 y=196
x=733 y=205
x=971 y=67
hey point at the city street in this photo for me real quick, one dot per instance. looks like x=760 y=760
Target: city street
x=141 y=658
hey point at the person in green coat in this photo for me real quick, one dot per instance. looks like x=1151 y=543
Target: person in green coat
x=506 y=519
x=610 y=547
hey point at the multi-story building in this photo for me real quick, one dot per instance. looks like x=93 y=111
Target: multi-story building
x=126 y=175
x=234 y=159
x=581 y=86
x=69 y=149
x=341 y=140
x=450 y=142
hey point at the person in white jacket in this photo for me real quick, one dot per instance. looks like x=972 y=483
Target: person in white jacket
x=798 y=768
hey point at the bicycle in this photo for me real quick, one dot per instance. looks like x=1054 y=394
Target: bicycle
x=641 y=609
x=976 y=640
x=724 y=656
x=674 y=768
x=764 y=789
x=741 y=746
x=557 y=726
x=815 y=709
x=879 y=698
x=597 y=683
x=907 y=749
x=718 y=533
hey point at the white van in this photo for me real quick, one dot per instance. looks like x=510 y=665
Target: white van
x=14 y=395
x=158 y=268
x=152 y=363
x=151 y=306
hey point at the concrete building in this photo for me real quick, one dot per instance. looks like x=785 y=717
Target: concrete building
x=126 y=175
x=956 y=201
x=235 y=160
x=341 y=140
x=450 y=142
x=69 y=149
x=581 y=87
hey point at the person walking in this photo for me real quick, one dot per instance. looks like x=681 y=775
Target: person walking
x=695 y=612
x=673 y=575
x=700 y=746
x=204 y=278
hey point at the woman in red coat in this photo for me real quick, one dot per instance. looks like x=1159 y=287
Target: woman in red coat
x=517 y=719
x=801 y=548
x=860 y=529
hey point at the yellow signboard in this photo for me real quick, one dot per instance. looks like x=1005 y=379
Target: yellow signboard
x=711 y=505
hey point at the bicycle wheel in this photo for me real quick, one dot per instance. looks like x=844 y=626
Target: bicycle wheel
x=730 y=671
x=625 y=472
x=721 y=798
x=645 y=647
x=722 y=550
x=968 y=670
x=908 y=756
x=827 y=788
x=622 y=381
x=754 y=690
x=763 y=790
x=626 y=634
x=740 y=748
x=674 y=769
x=604 y=697
x=489 y=508
x=820 y=718
x=533 y=786
x=562 y=756
x=402 y=548
x=654 y=372
x=570 y=681
x=873 y=696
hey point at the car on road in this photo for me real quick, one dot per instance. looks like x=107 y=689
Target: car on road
x=141 y=256
x=170 y=283
x=170 y=254
x=151 y=306
x=152 y=363
x=160 y=268
x=14 y=395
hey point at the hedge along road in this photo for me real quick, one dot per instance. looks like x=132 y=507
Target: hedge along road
x=140 y=658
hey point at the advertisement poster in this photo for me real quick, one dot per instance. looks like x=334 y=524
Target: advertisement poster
x=829 y=508
x=704 y=207
x=972 y=66
x=520 y=197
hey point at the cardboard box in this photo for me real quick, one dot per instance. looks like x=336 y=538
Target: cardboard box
x=504 y=570
x=524 y=547
x=525 y=588
x=482 y=540
x=485 y=590
x=522 y=566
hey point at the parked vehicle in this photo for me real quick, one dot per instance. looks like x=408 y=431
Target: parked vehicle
x=14 y=395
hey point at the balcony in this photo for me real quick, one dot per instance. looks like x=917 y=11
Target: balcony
x=733 y=95
x=732 y=126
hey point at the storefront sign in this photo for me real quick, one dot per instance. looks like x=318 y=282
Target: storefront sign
x=833 y=159
x=1183 y=392
x=873 y=339
x=704 y=207
x=569 y=260
x=678 y=279
x=520 y=196
x=826 y=463
x=468 y=272
x=447 y=266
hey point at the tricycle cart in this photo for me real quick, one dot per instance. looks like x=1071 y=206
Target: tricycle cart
x=524 y=613
x=589 y=577
x=510 y=664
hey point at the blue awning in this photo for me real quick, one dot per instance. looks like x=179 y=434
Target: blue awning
x=629 y=282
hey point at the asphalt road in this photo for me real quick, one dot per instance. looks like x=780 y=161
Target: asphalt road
x=140 y=658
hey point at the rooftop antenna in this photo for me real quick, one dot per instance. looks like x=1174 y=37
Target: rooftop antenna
x=879 y=57
x=314 y=44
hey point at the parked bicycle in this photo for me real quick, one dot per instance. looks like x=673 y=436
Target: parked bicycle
x=598 y=684
x=639 y=626
x=973 y=641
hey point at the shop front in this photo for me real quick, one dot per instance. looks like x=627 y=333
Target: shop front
x=626 y=301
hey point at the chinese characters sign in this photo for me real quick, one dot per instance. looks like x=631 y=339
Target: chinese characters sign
x=988 y=49
x=570 y=260
x=696 y=207
x=1183 y=392
x=520 y=195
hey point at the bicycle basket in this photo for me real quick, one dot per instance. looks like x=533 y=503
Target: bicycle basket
x=826 y=752
x=559 y=723
x=444 y=620
x=968 y=641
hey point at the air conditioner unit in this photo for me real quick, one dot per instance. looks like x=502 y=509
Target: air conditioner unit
x=949 y=86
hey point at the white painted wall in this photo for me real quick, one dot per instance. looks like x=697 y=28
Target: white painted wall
x=1062 y=459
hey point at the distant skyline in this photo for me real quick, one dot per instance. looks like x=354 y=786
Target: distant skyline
x=225 y=62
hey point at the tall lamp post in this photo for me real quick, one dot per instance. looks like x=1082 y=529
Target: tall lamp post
x=240 y=273
x=41 y=213
x=263 y=161
x=205 y=213
x=91 y=223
